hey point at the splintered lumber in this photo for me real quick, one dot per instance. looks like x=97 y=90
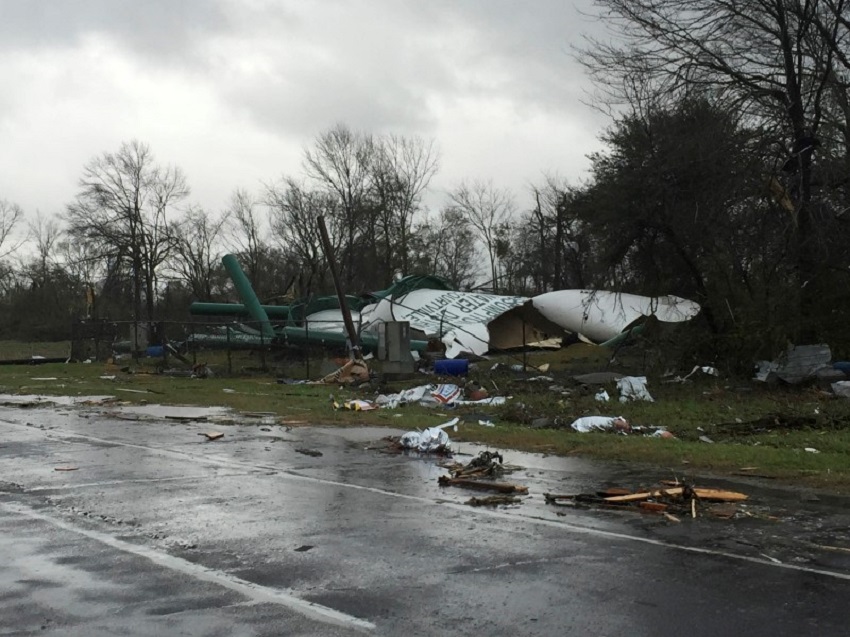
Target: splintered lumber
x=717 y=495
x=501 y=487
x=612 y=491
x=645 y=495
x=212 y=435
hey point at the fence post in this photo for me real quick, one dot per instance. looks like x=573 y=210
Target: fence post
x=193 y=345
x=524 y=348
x=263 y=351
x=163 y=341
x=307 y=345
x=229 y=357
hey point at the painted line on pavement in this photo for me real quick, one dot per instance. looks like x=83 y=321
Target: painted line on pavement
x=250 y=590
x=569 y=526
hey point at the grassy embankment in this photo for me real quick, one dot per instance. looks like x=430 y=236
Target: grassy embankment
x=708 y=406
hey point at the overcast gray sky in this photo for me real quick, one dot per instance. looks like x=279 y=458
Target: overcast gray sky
x=233 y=90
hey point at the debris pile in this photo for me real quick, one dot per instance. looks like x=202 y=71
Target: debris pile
x=673 y=499
x=475 y=474
x=442 y=395
x=429 y=440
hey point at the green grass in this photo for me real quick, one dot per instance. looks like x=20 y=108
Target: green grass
x=17 y=349
x=690 y=410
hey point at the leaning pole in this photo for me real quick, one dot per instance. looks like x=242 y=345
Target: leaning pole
x=248 y=296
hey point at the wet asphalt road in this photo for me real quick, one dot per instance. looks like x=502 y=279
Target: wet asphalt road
x=158 y=532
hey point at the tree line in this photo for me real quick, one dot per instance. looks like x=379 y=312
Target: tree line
x=724 y=179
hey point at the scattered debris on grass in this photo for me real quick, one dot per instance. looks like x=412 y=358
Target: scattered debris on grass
x=586 y=424
x=633 y=388
x=796 y=364
x=442 y=395
x=765 y=424
x=354 y=371
x=356 y=404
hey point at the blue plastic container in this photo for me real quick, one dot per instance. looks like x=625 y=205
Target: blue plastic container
x=451 y=367
x=842 y=366
x=155 y=351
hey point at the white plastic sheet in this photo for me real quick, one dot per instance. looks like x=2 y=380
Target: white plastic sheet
x=430 y=439
x=633 y=388
x=587 y=424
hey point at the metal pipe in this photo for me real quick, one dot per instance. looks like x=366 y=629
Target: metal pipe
x=200 y=308
x=246 y=292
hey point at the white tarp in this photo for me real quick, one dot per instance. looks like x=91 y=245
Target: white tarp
x=430 y=439
x=600 y=315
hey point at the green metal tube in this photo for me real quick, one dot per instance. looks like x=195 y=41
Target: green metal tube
x=249 y=297
x=369 y=341
x=237 y=339
x=200 y=308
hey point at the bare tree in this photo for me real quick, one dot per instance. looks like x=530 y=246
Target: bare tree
x=341 y=162
x=488 y=210
x=294 y=211
x=445 y=246
x=11 y=214
x=247 y=233
x=45 y=234
x=122 y=211
x=403 y=168
x=197 y=252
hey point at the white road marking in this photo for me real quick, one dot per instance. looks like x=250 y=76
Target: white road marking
x=569 y=526
x=254 y=592
x=109 y=483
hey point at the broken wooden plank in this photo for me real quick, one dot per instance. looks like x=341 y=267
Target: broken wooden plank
x=65 y=468
x=501 y=487
x=717 y=495
x=645 y=495
x=614 y=491
x=212 y=435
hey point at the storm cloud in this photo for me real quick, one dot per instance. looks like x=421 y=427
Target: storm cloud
x=233 y=90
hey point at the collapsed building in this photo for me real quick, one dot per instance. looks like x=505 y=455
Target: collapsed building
x=461 y=323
